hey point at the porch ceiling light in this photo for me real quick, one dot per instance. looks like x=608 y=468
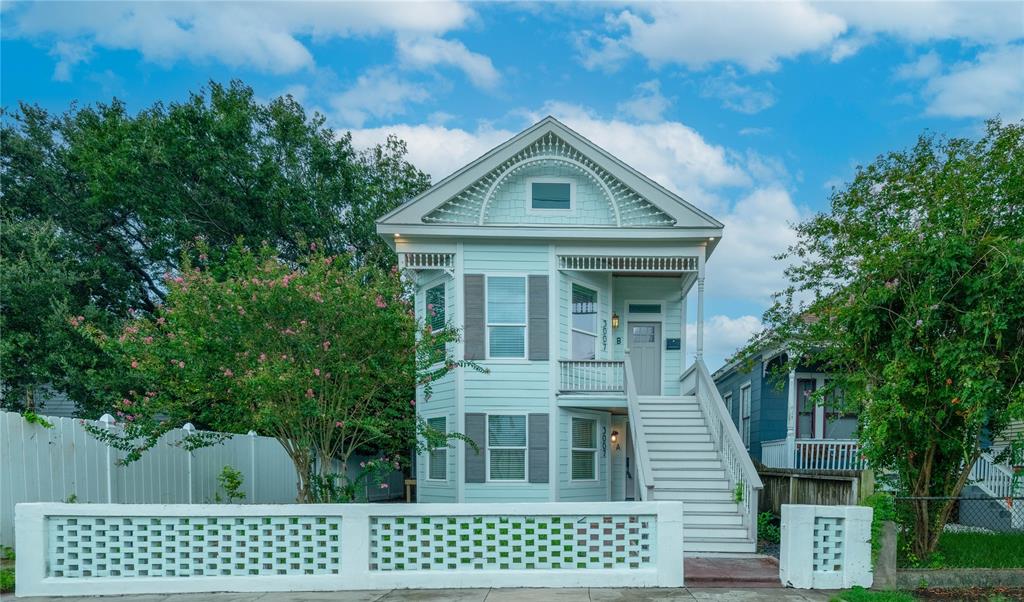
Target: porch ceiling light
x=615 y=322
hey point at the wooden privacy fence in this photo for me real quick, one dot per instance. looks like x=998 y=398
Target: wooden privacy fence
x=65 y=463
x=818 y=488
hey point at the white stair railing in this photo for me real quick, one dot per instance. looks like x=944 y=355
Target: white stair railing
x=644 y=472
x=733 y=454
x=993 y=478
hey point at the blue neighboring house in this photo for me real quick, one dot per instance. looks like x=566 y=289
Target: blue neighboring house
x=778 y=422
x=567 y=272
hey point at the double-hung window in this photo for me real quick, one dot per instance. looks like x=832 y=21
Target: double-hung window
x=506 y=447
x=584 y=449
x=435 y=316
x=727 y=400
x=584 y=323
x=506 y=316
x=745 y=414
x=437 y=460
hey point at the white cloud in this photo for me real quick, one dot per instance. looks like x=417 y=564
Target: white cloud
x=923 y=67
x=426 y=52
x=736 y=96
x=723 y=336
x=260 y=35
x=648 y=104
x=992 y=84
x=436 y=149
x=698 y=34
x=68 y=55
x=377 y=93
x=756 y=229
x=755 y=131
x=922 y=21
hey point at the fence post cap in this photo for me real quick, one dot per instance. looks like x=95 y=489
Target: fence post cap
x=188 y=428
x=107 y=419
x=251 y=433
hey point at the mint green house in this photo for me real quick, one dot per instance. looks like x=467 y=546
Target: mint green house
x=568 y=273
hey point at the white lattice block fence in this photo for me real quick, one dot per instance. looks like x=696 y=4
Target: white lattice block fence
x=93 y=549
x=825 y=547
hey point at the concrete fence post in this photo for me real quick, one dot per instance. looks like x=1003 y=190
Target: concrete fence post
x=189 y=429
x=885 y=564
x=825 y=547
x=252 y=467
x=108 y=424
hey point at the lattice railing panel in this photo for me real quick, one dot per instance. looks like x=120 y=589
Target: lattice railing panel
x=181 y=546
x=416 y=543
x=828 y=544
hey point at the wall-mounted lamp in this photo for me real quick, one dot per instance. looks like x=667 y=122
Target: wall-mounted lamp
x=615 y=436
x=615 y=320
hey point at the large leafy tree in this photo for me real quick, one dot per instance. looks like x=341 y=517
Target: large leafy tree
x=126 y=192
x=317 y=352
x=911 y=292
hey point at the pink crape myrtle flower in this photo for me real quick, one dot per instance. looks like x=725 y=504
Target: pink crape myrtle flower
x=380 y=302
x=309 y=393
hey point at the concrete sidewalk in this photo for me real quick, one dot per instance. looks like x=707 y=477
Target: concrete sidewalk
x=475 y=595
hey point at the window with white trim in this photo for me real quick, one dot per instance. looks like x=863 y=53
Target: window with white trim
x=584 y=449
x=506 y=447
x=435 y=315
x=506 y=316
x=584 y=323
x=727 y=400
x=745 y=414
x=437 y=459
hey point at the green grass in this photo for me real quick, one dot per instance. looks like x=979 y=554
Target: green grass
x=979 y=550
x=859 y=594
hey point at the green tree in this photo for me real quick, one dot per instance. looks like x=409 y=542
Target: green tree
x=911 y=292
x=320 y=353
x=128 y=192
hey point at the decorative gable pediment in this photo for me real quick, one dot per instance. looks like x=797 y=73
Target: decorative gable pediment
x=497 y=190
x=502 y=196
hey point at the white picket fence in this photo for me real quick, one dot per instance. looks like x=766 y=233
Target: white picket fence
x=66 y=463
x=101 y=549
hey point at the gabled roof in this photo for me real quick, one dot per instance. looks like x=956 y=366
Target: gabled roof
x=683 y=215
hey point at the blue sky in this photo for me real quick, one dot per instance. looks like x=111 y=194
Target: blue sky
x=752 y=111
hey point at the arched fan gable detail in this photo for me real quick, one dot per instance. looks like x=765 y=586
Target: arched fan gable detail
x=501 y=196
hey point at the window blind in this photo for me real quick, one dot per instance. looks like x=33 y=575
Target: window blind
x=437 y=468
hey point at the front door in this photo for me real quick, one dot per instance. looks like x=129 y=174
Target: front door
x=645 y=355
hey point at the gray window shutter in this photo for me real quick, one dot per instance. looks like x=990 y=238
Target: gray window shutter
x=538 y=318
x=538 y=453
x=473 y=332
x=476 y=460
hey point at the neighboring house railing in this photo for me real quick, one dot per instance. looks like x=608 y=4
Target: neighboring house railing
x=591 y=376
x=94 y=549
x=738 y=465
x=814 y=454
x=644 y=472
x=994 y=479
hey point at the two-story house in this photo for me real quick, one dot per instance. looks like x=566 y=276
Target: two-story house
x=568 y=273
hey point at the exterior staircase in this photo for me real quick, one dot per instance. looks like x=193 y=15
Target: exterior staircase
x=687 y=467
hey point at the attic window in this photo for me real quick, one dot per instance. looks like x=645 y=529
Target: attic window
x=551 y=195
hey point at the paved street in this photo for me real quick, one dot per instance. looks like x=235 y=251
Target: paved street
x=478 y=595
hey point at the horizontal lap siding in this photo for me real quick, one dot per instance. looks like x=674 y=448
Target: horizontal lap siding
x=520 y=386
x=506 y=492
x=582 y=491
x=487 y=258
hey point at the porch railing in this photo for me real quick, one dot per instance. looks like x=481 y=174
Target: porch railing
x=773 y=454
x=591 y=376
x=813 y=454
x=738 y=466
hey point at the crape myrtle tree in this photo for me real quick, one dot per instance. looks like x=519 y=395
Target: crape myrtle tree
x=911 y=294
x=319 y=352
x=125 y=192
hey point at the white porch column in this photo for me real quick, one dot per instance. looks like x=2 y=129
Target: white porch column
x=791 y=422
x=682 y=323
x=700 y=305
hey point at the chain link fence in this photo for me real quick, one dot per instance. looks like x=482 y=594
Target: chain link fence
x=974 y=513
